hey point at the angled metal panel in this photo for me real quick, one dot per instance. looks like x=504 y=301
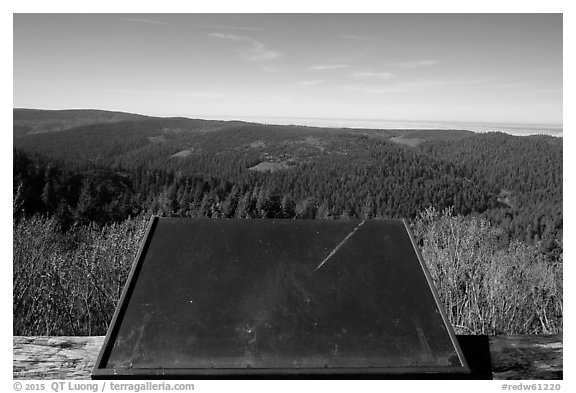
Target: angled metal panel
x=269 y=297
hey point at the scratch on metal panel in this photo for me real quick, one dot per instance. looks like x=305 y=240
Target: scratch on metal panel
x=339 y=245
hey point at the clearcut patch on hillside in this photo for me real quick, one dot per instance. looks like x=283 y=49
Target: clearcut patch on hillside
x=269 y=166
x=182 y=154
x=412 y=142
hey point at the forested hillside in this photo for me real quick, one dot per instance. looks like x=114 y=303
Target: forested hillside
x=191 y=167
x=77 y=171
x=527 y=171
x=34 y=121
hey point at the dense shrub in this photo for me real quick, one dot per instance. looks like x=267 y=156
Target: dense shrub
x=487 y=285
x=69 y=283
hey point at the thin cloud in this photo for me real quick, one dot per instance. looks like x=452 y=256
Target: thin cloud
x=371 y=74
x=410 y=65
x=328 y=67
x=257 y=51
x=310 y=83
x=225 y=27
x=232 y=37
x=383 y=89
x=260 y=52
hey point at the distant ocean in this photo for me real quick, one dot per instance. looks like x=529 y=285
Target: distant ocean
x=509 y=128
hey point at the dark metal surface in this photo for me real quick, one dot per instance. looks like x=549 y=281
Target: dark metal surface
x=210 y=296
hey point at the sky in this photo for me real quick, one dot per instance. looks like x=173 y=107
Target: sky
x=504 y=68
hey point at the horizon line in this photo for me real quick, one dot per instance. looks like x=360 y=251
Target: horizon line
x=557 y=127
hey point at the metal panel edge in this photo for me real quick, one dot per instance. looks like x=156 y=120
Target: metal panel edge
x=113 y=327
x=451 y=372
x=432 y=287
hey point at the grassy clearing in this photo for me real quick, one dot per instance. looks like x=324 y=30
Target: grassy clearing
x=412 y=142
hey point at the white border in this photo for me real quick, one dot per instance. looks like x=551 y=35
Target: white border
x=251 y=6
